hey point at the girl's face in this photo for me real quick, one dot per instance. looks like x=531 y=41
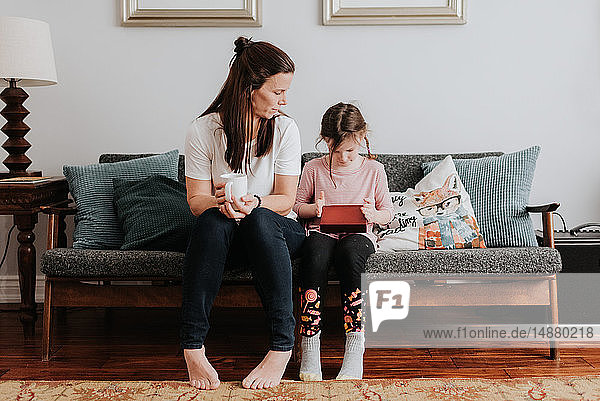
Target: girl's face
x=346 y=153
x=269 y=98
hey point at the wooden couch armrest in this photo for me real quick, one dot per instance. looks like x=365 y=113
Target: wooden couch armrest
x=63 y=208
x=56 y=222
x=547 y=223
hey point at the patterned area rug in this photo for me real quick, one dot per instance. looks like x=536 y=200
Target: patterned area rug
x=565 y=388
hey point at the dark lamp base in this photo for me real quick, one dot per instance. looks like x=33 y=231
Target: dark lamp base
x=28 y=173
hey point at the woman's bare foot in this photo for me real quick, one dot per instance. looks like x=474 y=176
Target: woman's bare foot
x=268 y=373
x=202 y=374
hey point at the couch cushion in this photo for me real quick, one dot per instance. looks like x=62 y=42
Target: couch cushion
x=93 y=263
x=96 y=224
x=404 y=171
x=436 y=214
x=67 y=262
x=491 y=260
x=499 y=187
x=153 y=213
x=121 y=157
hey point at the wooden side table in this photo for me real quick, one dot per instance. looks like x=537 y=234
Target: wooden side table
x=24 y=202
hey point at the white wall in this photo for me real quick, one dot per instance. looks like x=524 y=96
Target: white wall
x=518 y=73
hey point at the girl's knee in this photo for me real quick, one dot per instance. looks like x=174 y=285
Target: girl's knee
x=354 y=245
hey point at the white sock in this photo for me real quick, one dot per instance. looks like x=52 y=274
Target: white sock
x=352 y=366
x=310 y=365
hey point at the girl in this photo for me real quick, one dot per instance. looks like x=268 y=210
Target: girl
x=340 y=177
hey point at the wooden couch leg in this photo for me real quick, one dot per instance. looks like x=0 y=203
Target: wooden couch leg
x=48 y=312
x=554 y=351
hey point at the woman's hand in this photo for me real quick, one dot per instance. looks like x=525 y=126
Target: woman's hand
x=236 y=209
x=220 y=194
x=224 y=206
x=248 y=203
x=368 y=210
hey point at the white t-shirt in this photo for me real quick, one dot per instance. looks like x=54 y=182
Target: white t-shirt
x=205 y=153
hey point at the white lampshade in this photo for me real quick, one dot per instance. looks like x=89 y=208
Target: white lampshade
x=26 y=52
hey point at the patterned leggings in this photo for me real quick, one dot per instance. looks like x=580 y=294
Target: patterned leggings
x=348 y=255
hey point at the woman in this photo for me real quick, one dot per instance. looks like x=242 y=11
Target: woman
x=243 y=131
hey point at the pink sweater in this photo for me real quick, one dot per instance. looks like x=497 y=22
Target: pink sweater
x=367 y=181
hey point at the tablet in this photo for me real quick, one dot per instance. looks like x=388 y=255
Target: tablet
x=343 y=219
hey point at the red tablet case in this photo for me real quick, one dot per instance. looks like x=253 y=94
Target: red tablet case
x=343 y=219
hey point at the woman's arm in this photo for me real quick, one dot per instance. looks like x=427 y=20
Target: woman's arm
x=280 y=200
x=199 y=195
x=283 y=196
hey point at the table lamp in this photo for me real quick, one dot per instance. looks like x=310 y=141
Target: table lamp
x=26 y=59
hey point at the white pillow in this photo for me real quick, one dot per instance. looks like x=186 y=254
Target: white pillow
x=436 y=214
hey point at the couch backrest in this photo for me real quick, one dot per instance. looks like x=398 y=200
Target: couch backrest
x=118 y=157
x=403 y=171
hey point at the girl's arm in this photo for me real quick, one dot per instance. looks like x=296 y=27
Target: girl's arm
x=311 y=210
x=303 y=205
x=383 y=200
x=373 y=215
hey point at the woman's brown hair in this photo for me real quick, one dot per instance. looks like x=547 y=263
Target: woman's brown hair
x=252 y=64
x=340 y=122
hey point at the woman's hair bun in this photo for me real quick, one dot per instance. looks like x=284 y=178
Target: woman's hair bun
x=242 y=43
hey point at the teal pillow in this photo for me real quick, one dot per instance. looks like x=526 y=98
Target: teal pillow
x=96 y=224
x=153 y=213
x=499 y=187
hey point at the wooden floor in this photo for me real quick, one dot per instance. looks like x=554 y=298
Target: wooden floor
x=142 y=344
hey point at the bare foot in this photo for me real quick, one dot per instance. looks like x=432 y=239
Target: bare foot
x=202 y=374
x=268 y=373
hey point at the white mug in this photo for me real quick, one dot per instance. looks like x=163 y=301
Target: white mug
x=236 y=186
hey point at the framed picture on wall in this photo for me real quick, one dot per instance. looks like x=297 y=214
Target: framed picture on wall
x=191 y=12
x=393 y=12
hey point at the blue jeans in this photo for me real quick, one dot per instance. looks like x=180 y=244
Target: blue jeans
x=265 y=241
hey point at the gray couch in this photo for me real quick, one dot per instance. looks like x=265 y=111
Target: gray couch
x=66 y=269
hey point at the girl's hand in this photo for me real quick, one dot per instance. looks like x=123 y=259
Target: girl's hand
x=320 y=202
x=368 y=210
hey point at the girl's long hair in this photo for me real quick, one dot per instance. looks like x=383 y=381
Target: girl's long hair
x=252 y=64
x=340 y=122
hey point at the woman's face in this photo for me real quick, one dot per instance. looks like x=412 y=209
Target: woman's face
x=269 y=98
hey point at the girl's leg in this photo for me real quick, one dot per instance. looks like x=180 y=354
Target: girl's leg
x=350 y=258
x=270 y=240
x=202 y=274
x=316 y=256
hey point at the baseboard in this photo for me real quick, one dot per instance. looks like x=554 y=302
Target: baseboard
x=9 y=289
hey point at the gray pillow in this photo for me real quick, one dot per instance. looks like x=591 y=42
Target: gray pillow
x=499 y=187
x=96 y=223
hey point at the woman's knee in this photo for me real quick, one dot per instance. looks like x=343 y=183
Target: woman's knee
x=212 y=223
x=259 y=222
